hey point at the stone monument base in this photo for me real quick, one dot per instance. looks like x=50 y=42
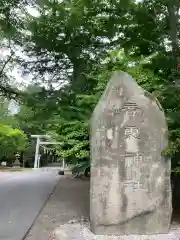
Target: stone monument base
x=78 y=231
x=16 y=168
x=17 y=164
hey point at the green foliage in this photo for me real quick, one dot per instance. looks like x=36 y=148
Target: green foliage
x=75 y=46
x=75 y=140
x=69 y=38
x=11 y=140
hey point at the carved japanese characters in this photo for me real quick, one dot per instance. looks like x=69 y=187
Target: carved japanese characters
x=130 y=179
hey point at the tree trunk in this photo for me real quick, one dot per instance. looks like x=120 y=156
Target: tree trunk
x=173 y=21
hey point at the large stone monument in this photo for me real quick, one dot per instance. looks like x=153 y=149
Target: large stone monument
x=130 y=179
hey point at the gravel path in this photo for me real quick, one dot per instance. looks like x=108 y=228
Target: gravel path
x=80 y=231
x=70 y=200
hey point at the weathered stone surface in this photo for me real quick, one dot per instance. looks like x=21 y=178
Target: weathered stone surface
x=130 y=180
x=81 y=232
x=69 y=232
x=16 y=163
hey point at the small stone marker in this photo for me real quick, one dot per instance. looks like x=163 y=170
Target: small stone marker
x=130 y=179
x=17 y=163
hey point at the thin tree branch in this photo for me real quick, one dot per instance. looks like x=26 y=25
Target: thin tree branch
x=5 y=64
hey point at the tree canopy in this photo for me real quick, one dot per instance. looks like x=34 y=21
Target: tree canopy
x=12 y=140
x=71 y=48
